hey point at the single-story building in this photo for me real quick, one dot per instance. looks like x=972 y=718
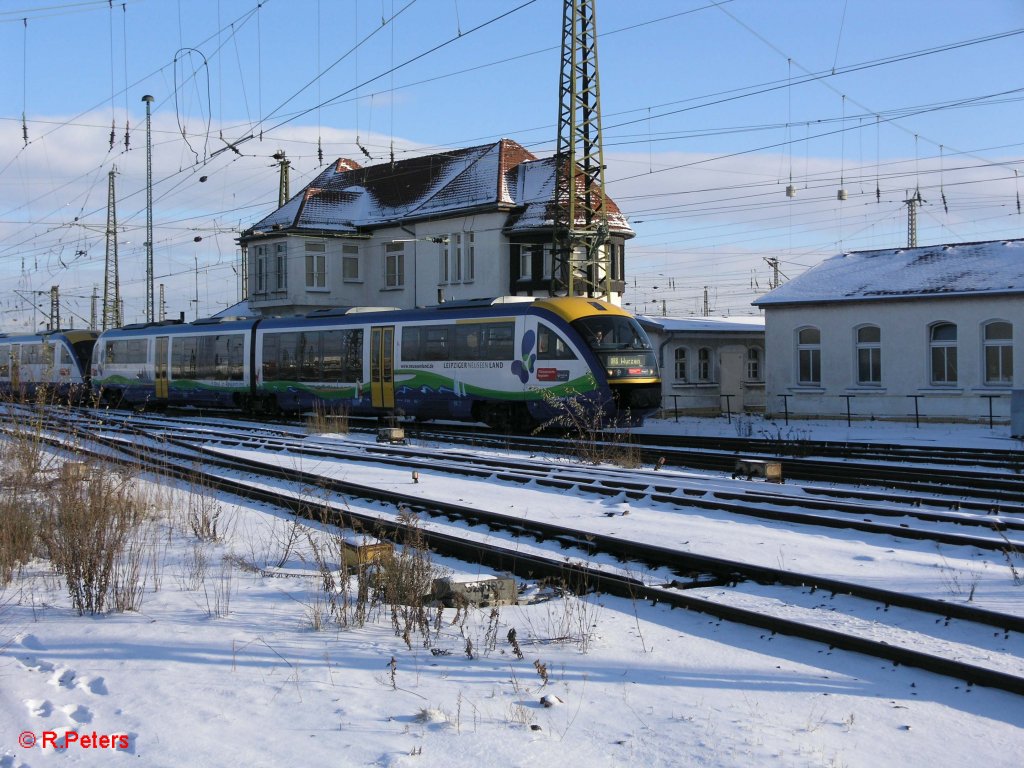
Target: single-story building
x=709 y=365
x=934 y=332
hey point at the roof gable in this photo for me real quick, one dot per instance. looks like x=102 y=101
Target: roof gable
x=901 y=273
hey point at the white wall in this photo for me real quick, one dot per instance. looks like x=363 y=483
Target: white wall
x=728 y=372
x=905 y=357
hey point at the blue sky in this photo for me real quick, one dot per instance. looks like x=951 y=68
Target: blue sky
x=710 y=110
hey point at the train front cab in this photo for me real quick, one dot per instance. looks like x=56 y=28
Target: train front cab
x=623 y=350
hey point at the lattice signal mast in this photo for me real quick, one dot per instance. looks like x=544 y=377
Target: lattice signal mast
x=149 y=210
x=111 y=279
x=582 y=262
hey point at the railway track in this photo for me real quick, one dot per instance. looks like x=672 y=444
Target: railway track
x=915 y=470
x=983 y=524
x=589 y=560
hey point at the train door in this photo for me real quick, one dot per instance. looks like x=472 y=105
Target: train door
x=382 y=366
x=160 y=368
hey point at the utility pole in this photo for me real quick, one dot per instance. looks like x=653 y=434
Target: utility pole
x=111 y=279
x=54 y=307
x=707 y=306
x=149 y=212
x=774 y=264
x=582 y=262
x=163 y=304
x=93 y=302
x=283 y=195
x=912 y=204
x=243 y=269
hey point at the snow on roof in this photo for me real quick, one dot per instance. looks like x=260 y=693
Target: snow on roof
x=741 y=324
x=503 y=175
x=900 y=273
x=534 y=181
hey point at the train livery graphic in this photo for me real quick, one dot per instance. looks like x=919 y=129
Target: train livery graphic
x=507 y=362
x=53 y=363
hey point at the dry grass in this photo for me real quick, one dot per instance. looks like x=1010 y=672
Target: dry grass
x=321 y=420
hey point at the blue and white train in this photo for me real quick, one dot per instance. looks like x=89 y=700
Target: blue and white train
x=54 y=363
x=506 y=362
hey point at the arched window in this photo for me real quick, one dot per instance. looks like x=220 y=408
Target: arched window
x=753 y=364
x=704 y=364
x=681 y=374
x=808 y=353
x=998 y=345
x=942 y=343
x=869 y=355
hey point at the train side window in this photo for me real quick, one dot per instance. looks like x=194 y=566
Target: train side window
x=332 y=350
x=5 y=360
x=271 y=353
x=425 y=342
x=137 y=349
x=498 y=341
x=411 y=342
x=183 y=357
x=434 y=343
x=551 y=346
x=352 y=356
x=341 y=355
x=467 y=341
x=308 y=355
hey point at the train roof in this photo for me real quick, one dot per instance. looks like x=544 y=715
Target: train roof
x=566 y=308
x=176 y=327
x=73 y=336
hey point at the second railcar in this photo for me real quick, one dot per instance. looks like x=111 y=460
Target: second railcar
x=204 y=363
x=52 y=363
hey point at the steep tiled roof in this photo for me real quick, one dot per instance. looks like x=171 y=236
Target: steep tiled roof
x=536 y=184
x=995 y=267
x=499 y=176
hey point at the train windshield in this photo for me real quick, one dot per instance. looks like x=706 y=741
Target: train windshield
x=621 y=345
x=606 y=334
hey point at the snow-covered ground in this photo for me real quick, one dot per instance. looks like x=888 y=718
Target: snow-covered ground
x=222 y=665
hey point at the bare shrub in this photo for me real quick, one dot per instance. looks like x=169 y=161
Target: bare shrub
x=195 y=565
x=569 y=618
x=17 y=533
x=218 y=594
x=86 y=529
x=584 y=426
x=203 y=510
x=405 y=580
x=23 y=451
